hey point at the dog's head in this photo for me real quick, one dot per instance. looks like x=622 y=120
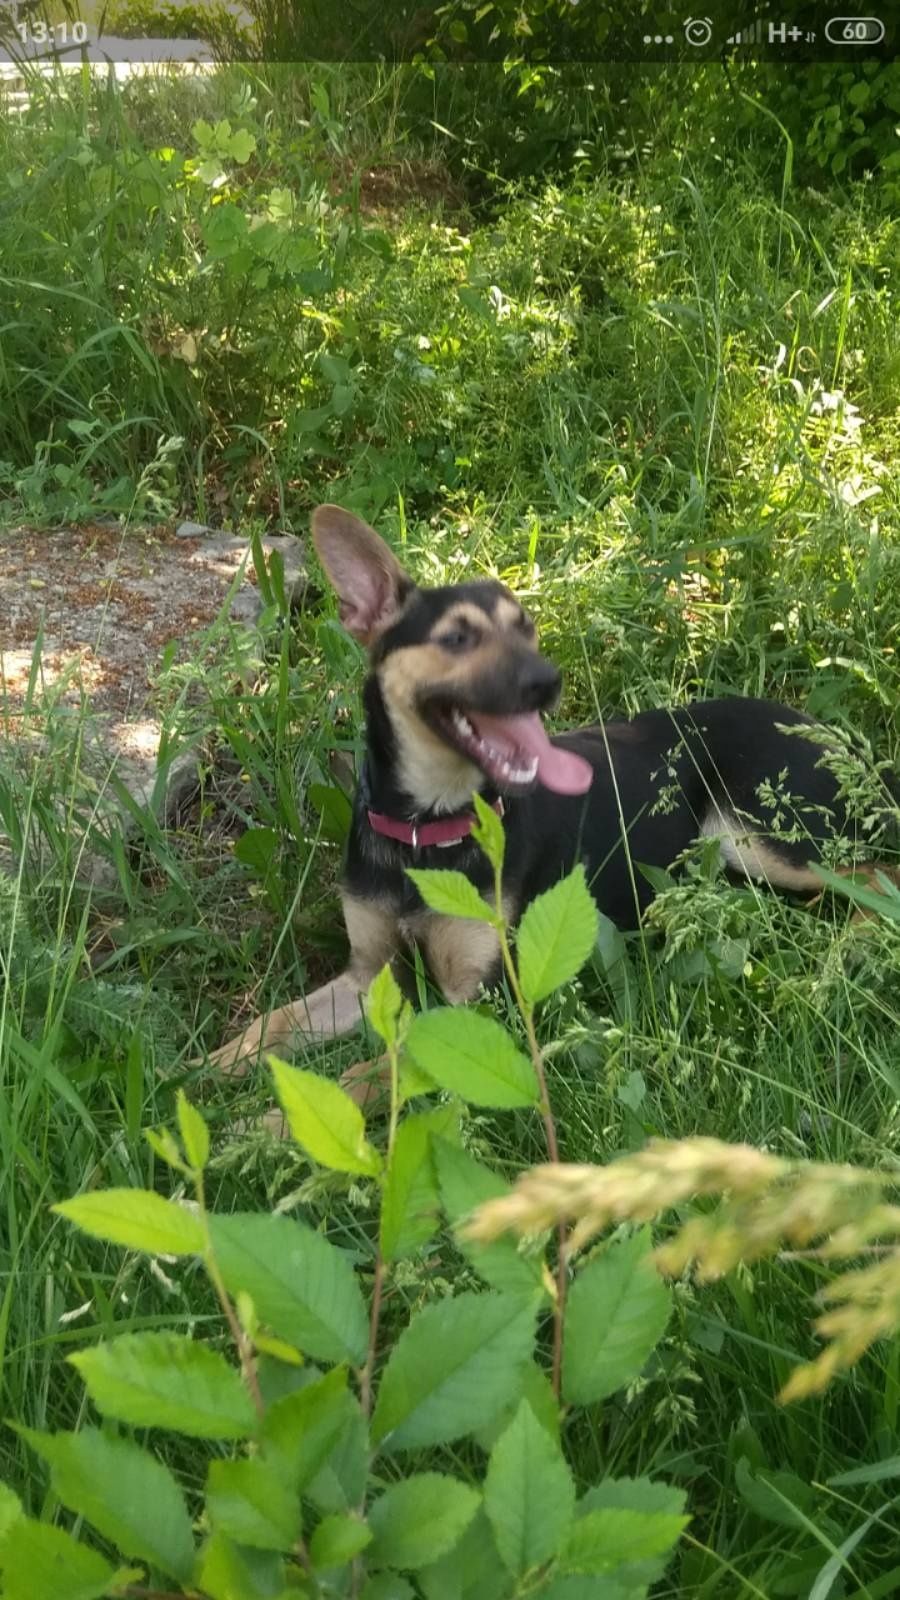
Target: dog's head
x=459 y=670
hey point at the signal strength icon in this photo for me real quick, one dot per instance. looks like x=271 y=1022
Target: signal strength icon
x=751 y=35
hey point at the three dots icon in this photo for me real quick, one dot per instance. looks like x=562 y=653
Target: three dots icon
x=658 y=38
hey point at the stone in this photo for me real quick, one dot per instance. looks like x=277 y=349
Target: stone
x=191 y=530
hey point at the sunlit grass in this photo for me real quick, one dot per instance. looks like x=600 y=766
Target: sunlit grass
x=662 y=404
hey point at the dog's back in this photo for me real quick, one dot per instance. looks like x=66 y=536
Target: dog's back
x=718 y=767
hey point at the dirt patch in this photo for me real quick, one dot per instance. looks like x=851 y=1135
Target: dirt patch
x=88 y=615
x=387 y=190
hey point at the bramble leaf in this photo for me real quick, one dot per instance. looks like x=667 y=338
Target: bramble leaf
x=127 y=1495
x=301 y=1285
x=419 y=1519
x=451 y=894
x=140 y=1219
x=488 y=831
x=40 y=1562
x=617 y=1312
x=249 y=1501
x=300 y=1430
x=165 y=1380
x=464 y=1184
x=646 y=1496
x=337 y=1540
x=472 y=1056
x=457 y=1364
x=323 y=1119
x=228 y=1571
x=384 y=1005
x=606 y=1540
x=529 y=1494
x=556 y=935
x=194 y=1132
x=409 y=1207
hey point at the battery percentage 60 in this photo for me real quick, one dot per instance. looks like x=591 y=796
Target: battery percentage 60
x=854 y=30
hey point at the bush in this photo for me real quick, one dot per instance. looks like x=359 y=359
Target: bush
x=324 y=1486
x=162 y=19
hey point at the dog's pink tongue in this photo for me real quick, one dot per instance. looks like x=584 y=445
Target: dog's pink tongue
x=559 y=770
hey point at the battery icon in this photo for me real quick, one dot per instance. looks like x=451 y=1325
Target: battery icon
x=854 y=30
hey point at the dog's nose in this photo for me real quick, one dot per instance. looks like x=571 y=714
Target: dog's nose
x=539 y=683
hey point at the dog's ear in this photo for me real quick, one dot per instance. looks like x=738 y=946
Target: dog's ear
x=366 y=576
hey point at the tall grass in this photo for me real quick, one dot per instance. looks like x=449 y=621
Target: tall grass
x=657 y=395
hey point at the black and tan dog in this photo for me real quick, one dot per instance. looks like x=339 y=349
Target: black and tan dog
x=453 y=704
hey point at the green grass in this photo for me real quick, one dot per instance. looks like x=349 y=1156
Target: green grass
x=657 y=395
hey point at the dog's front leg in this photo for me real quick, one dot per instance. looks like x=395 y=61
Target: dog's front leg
x=328 y=1012
x=463 y=956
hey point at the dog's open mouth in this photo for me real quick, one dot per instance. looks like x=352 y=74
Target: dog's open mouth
x=514 y=752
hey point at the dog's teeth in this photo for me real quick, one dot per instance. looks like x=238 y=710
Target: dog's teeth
x=463 y=724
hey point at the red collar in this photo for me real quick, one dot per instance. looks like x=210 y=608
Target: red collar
x=450 y=830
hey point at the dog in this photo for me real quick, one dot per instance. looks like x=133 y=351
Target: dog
x=454 y=702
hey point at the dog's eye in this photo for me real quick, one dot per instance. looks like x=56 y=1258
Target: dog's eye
x=458 y=638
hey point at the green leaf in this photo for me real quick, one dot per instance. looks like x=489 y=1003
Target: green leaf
x=471 y=1571
x=488 y=832
x=165 y=1380
x=10 y=1509
x=451 y=894
x=604 y=1541
x=301 y=1429
x=225 y=230
x=464 y=1184
x=649 y=1498
x=323 y=1119
x=419 y=1519
x=529 y=1494
x=592 y=1588
x=779 y=1497
x=472 y=1056
x=337 y=1540
x=471 y=298
x=138 y=1219
x=210 y=171
x=456 y=1365
x=194 y=1132
x=250 y=1502
x=341 y=1483
x=384 y=1004
x=386 y=1586
x=301 y=1286
x=409 y=1208
x=617 y=1310
x=241 y=145
x=40 y=1562
x=413 y=1081
x=227 y=1571
x=164 y=1144
x=257 y=848
x=887 y=903
x=129 y=1497
x=538 y=1391
x=556 y=935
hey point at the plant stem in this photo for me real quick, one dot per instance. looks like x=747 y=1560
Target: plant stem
x=244 y=1346
x=549 y=1121
x=365 y=1382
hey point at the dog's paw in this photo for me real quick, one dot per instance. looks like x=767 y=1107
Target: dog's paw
x=269 y=1122
x=367 y=1082
x=237 y=1054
